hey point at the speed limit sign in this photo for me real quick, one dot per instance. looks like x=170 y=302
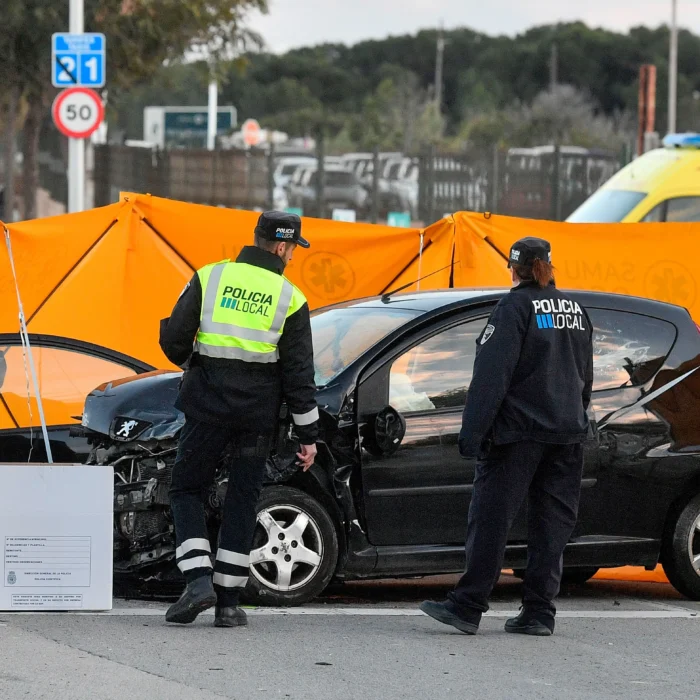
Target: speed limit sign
x=78 y=112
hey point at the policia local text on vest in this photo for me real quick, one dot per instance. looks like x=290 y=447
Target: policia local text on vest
x=242 y=333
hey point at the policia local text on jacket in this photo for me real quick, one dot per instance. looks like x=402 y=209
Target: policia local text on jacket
x=224 y=391
x=525 y=419
x=244 y=332
x=533 y=372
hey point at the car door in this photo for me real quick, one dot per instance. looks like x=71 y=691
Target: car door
x=420 y=494
x=629 y=349
x=67 y=371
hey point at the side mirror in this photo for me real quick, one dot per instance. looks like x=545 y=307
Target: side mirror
x=389 y=430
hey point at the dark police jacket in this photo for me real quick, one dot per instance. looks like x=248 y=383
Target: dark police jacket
x=245 y=395
x=533 y=372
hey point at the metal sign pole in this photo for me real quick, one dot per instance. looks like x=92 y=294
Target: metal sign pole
x=76 y=147
x=673 y=69
x=212 y=110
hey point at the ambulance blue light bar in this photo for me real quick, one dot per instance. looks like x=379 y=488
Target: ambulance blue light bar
x=682 y=141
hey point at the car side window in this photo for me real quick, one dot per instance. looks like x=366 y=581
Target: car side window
x=679 y=209
x=656 y=215
x=65 y=378
x=683 y=209
x=628 y=348
x=437 y=372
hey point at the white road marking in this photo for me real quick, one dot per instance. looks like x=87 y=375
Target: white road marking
x=384 y=612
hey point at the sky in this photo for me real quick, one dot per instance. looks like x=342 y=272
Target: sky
x=293 y=23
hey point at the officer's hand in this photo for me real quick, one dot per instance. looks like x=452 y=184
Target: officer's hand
x=306 y=456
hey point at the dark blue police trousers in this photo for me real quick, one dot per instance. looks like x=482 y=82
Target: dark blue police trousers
x=550 y=477
x=199 y=454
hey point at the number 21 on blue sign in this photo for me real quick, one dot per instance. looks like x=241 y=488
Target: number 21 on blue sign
x=90 y=69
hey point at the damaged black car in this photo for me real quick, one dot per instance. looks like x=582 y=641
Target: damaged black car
x=389 y=493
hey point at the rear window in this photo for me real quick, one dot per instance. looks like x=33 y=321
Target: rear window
x=606 y=207
x=628 y=349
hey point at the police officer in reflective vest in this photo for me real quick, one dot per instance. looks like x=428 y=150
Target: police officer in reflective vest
x=242 y=332
x=525 y=418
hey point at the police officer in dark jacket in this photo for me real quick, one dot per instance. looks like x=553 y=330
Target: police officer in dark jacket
x=525 y=420
x=242 y=333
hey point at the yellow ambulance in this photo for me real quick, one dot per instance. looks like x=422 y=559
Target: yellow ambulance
x=661 y=185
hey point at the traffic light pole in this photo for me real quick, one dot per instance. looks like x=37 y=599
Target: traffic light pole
x=76 y=147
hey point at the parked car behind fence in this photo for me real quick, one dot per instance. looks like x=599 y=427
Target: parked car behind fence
x=545 y=182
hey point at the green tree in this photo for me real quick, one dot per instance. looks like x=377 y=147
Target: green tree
x=142 y=35
x=379 y=91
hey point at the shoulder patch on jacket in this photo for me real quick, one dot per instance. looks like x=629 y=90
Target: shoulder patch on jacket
x=488 y=332
x=187 y=286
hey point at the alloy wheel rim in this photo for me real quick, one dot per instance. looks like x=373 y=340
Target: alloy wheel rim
x=694 y=545
x=287 y=548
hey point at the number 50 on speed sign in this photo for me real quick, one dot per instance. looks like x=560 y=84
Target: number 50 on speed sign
x=78 y=112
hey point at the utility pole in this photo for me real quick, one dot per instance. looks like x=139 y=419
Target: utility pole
x=213 y=110
x=439 y=60
x=76 y=147
x=553 y=68
x=673 y=69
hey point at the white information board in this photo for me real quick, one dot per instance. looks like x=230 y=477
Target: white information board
x=349 y=215
x=56 y=537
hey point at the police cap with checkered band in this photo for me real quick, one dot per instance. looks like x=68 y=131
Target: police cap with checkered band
x=281 y=227
x=527 y=250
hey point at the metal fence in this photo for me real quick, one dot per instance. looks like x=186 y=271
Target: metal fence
x=546 y=182
x=538 y=183
x=220 y=178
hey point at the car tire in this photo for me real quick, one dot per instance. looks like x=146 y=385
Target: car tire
x=681 y=545
x=295 y=549
x=577 y=575
x=573 y=575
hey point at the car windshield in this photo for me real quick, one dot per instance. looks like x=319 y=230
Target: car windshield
x=393 y=171
x=341 y=335
x=606 y=207
x=289 y=168
x=298 y=174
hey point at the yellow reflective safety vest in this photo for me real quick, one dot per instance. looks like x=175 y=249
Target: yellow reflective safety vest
x=244 y=308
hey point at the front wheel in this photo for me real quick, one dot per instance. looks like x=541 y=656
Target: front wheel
x=295 y=549
x=681 y=551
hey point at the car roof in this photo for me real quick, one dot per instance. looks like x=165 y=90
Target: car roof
x=430 y=301
x=656 y=169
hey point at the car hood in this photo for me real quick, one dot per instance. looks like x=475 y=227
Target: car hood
x=141 y=407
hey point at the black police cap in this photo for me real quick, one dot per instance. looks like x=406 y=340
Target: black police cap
x=527 y=250
x=281 y=227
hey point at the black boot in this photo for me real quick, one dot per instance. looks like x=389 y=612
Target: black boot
x=196 y=598
x=448 y=613
x=230 y=617
x=531 y=622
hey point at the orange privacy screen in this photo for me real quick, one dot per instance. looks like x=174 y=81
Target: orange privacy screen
x=108 y=276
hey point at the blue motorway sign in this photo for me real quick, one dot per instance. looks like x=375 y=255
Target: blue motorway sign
x=78 y=60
